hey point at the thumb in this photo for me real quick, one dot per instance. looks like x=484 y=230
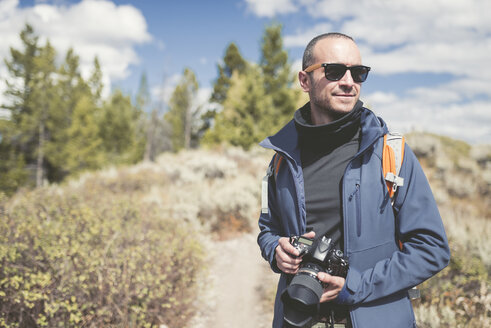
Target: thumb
x=310 y=234
x=324 y=277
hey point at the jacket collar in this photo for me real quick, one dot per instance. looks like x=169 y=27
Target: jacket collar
x=286 y=140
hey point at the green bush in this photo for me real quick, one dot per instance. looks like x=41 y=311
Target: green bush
x=459 y=295
x=73 y=259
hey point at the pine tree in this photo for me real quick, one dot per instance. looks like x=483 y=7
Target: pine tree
x=143 y=99
x=71 y=89
x=149 y=121
x=95 y=82
x=118 y=129
x=18 y=147
x=278 y=78
x=12 y=164
x=40 y=124
x=183 y=111
x=246 y=117
x=84 y=148
x=232 y=61
x=22 y=70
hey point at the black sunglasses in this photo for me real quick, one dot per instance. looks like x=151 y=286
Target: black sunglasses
x=335 y=72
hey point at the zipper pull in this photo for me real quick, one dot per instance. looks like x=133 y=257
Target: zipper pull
x=354 y=192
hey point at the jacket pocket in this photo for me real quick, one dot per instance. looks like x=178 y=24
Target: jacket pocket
x=356 y=194
x=393 y=311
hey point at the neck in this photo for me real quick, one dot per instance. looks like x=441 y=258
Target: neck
x=321 y=117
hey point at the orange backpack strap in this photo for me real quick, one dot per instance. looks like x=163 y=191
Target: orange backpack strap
x=273 y=169
x=277 y=160
x=392 y=157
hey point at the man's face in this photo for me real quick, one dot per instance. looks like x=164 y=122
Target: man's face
x=332 y=99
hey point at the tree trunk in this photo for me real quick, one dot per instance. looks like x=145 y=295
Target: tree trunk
x=187 y=129
x=150 y=145
x=40 y=159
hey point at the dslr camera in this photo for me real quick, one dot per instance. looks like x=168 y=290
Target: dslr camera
x=301 y=297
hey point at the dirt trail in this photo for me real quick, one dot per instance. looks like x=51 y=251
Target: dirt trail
x=239 y=281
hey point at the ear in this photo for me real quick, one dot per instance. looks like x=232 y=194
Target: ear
x=304 y=80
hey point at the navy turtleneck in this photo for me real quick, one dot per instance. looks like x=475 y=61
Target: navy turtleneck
x=325 y=152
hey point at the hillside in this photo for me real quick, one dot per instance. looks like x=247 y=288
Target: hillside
x=172 y=243
x=460 y=177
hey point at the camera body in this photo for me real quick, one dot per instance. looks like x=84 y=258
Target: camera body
x=320 y=255
x=301 y=297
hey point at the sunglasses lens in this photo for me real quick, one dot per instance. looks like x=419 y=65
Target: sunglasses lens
x=335 y=72
x=359 y=73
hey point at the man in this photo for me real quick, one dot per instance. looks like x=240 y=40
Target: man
x=330 y=180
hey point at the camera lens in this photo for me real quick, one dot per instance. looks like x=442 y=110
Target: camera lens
x=301 y=297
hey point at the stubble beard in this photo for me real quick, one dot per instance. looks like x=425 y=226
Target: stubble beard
x=326 y=107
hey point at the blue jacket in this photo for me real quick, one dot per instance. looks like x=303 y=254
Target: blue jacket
x=380 y=273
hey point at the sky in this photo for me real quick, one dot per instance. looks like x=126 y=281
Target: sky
x=431 y=60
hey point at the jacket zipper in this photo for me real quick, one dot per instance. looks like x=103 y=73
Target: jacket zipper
x=357 y=196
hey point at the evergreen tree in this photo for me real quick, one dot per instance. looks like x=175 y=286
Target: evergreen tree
x=118 y=129
x=183 y=111
x=278 y=78
x=149 y=121
x=247 y=116
x=72 y=85
x=143 y=99
x=232 y=61
x=16 y=144
x=71 y=89
x=58 y=123
x=12 y=165
x=22 y=69
x=42 y=122
x=95 y=82
x=84 y=148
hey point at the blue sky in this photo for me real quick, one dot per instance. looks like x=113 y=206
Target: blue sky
x=431 y=60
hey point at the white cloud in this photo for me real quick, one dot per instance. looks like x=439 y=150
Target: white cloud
x=381 y=98
x=203 y=99
x=271 y=8
x=303 y=37
x=91 y=27
x=467 y=121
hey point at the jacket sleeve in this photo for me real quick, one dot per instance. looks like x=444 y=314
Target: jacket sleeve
x=425 y=247
x=270 y=228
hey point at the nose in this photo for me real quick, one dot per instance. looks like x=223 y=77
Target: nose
x=347 y=79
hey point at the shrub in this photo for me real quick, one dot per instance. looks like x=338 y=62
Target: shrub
x=71 y=259
x=459 y=295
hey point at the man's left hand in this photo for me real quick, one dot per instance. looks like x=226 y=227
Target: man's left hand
x=334 y=286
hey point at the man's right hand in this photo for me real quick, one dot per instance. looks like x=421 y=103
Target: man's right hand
x=286 y=255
